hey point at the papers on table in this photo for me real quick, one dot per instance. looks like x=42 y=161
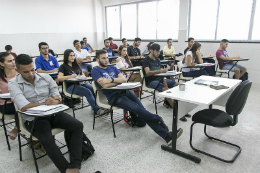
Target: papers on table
x=205 y=64
x=53 y=73
x=78 y=78
x=44 y=109
x=206 y=82
x=128 y=85
x=5 y=95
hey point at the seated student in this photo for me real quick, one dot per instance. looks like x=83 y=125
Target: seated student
x=192 y=58
x=134 y=52
x=109 y=51
x=51 y=52
x=81 y=56
x=9 y=48
x=151 y=67
x=109 y=76
x=112 y=45
x=126 y=63
x=7 y=72
x=147 y=51
x=190 y=43
x=124 y=41
x=222 y=55
x=71 y=69
x=83 y=45
x=29 y=89
x=46 y=63
x=87 y=45
x=168 y=53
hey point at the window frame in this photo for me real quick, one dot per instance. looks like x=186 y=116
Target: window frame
x=249 y=39
x=137 y=26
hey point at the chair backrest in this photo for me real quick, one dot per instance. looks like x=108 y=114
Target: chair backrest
x=179 y=64
x=100 y=96
x=237 y=99
x=65 y=92
x=21 y=124
x=94 y=64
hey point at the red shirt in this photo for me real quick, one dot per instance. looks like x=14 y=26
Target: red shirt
x=13 y=54
x=221 y=62
x=113 y=46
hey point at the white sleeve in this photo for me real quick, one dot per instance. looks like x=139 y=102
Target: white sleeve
x=119 y=65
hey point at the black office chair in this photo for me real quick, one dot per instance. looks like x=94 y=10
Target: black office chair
x=218 y=118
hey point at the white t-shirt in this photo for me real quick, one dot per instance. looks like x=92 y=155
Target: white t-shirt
x=185 y=64
x=83 y=54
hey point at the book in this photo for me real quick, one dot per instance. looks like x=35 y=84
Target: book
x=205 y=64
x=5 y=95
x=42 y=109
x=128 y=85
x=206 y=82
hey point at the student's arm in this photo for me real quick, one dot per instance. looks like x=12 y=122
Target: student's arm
x=107 y=82
x=229 y=58
x=39 y=70
x=39 y=67
x=189 y=61
x=152 y=73
x=61 y=76
x=82 y=59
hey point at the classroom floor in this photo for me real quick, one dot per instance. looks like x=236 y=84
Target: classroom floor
x=138 y=150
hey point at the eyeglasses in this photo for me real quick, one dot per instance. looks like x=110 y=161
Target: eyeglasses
x=72 y=55
x=44 y=48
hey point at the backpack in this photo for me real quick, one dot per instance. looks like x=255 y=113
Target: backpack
x=243 y=78
x=133 y=120
x=87 y=148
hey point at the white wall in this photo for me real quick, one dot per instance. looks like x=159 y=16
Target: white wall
x=58 y=22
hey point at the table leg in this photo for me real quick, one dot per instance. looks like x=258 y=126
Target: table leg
x=174 y=138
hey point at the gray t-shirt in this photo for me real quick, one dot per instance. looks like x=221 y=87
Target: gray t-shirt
x=153 y=65
x=23 y=92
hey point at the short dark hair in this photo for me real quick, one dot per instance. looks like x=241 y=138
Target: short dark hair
x=191 y=38
x=42 y=43
x=156 y=47
x=224 y=40
x=84 y=38
x=137 y=39
x=8 y=47
x=82 y=42
x=99 y=52
x=23 y=59
x=105 y=40
x=110 y=38
x=168 y=40
x=123 y=39
x=74 y=42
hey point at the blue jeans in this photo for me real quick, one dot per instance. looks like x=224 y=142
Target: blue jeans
x=195 y=73
x=87 y=91
x=228 y=67
x=155 y=83
x=86 y=67
x=128 y=101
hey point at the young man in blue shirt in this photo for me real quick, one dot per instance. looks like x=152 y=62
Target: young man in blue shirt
x=46 y=63
x=109 y=51
x=109 y=76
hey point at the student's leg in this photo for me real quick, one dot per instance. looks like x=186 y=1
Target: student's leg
x=243 y=71
x=130 y=102
x=75 y=128
x=42 y=131
x=237 y=73
x=83 y=90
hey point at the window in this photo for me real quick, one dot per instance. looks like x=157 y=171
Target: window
x=168 y=19
x=128 y=14
x=234 y=19
x=113 y=22
x=154 y=19
x=147 y=20
x=203 y=18
x=256 y=26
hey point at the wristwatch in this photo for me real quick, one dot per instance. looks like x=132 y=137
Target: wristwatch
x=112 y=80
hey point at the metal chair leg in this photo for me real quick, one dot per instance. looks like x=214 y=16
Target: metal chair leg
x=215 y=157
x=5 y=131
x=111 y=111
x=155 y=102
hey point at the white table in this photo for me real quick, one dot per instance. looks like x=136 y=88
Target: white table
x=194 y=96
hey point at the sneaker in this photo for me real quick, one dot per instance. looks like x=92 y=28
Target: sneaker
x=188 y=115
x=168 y=137
x=183 y=119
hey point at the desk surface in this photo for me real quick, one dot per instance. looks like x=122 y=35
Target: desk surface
x=124 y=88
x=241 y=59
x=201 y=94
x=79 y=79
x=169 y=73
x=132 y=69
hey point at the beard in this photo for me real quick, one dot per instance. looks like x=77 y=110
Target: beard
x=102 y=64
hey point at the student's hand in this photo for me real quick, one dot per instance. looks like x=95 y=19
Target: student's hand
x=73 y=75
x=104 y=81
x=55 y=70
x=137 y=57
x=57 y=98
x=164 y=70
x=238 y=57
x=50 y=101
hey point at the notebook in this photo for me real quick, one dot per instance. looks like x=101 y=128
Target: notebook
x=128 y=85
x=42 y=109
x=5 y=95
x=206 y=82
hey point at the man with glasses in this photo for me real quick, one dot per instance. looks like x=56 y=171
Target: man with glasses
x=45 y=63
x=124 y=41
x=134 y=52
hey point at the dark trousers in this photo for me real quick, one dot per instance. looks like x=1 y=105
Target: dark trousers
x=9 y=109
x=128 y=101
x=42 y=131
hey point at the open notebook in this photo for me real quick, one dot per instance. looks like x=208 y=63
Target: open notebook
x=43 y=109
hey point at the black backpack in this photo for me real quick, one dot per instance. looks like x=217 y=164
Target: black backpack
x=243 y=78
x=87 y=148
x=133 y=120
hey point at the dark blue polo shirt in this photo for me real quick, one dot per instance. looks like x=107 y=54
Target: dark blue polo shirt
x=51 y=64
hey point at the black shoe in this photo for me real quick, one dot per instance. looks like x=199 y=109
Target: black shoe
x=188 y=115
x=183 y=119
x=168 y=137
